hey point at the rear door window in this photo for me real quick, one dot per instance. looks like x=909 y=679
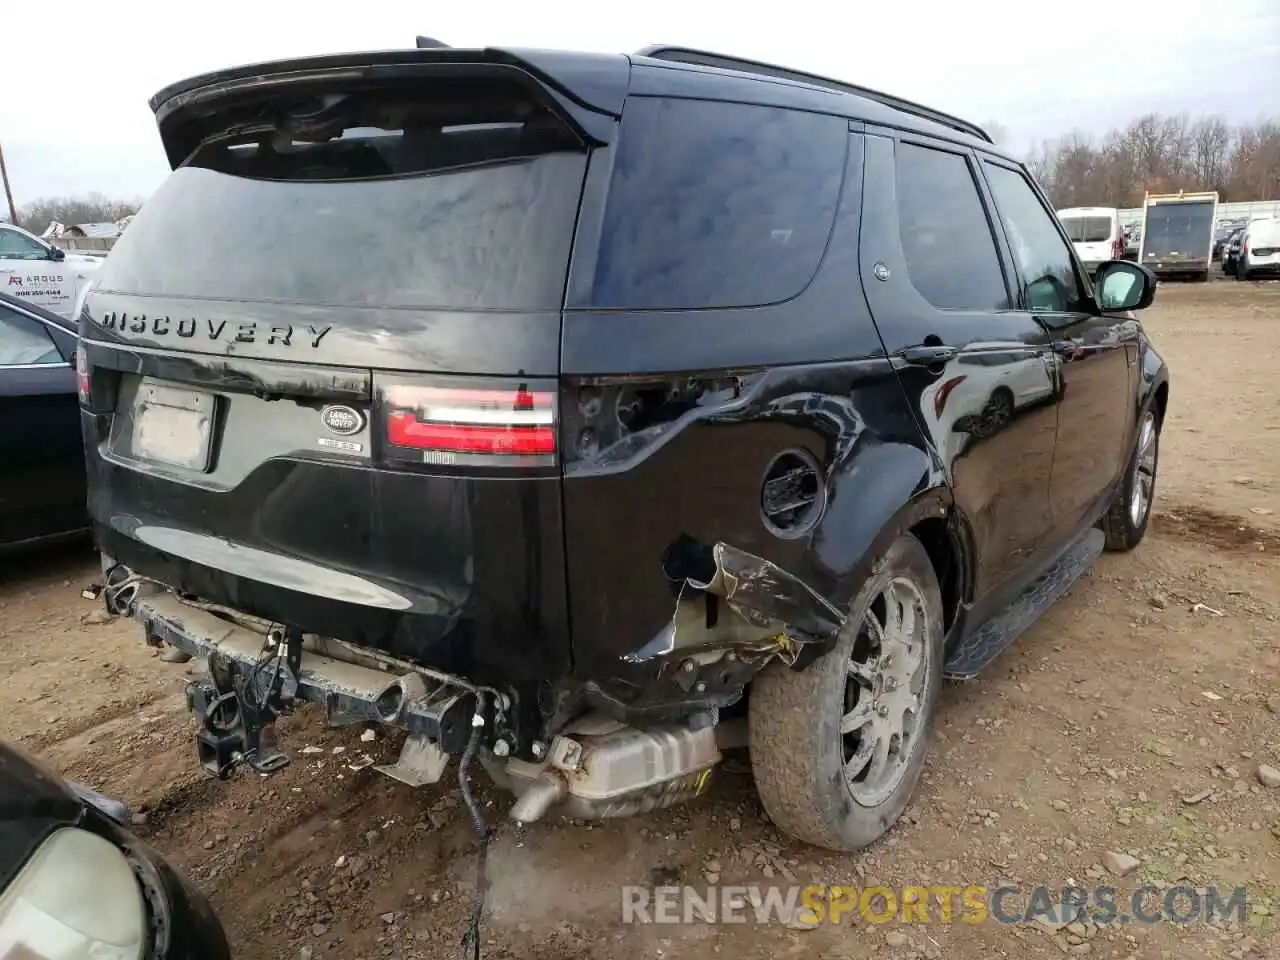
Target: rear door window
x=1095 y=230
x=447 y=196
x=946 y=237
x=1087 y=229
x=717 y=205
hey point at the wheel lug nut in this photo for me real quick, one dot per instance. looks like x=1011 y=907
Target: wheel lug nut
x=882 y=710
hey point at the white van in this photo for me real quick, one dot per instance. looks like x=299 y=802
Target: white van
x=1096 y=234
x=1260 y=250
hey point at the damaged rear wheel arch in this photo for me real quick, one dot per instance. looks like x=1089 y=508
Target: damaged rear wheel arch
x=939 y=538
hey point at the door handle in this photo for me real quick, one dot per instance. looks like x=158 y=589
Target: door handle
x=1064 y=348
x=923 y=356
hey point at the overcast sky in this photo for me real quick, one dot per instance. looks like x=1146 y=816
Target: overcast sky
x=74 y=117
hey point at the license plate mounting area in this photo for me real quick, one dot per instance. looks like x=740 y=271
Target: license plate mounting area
x=173 y=425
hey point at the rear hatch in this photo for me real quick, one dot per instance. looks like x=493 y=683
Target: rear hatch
x=1093 y=237
x=1264 y=243
x=1178 y=233
x=321 y=364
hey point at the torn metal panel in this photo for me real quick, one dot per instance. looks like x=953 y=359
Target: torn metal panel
x=769 y=610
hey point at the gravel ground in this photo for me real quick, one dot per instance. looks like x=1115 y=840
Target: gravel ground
x=1131 y=722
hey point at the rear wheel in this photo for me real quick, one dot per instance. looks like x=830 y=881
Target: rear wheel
x=837 y=748
x=1125 y=522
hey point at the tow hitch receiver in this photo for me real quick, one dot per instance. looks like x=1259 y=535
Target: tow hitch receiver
x=237 y=706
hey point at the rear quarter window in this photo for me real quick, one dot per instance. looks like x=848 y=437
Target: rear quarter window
x=715 y=205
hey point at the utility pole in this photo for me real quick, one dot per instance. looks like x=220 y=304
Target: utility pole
x=8 y=194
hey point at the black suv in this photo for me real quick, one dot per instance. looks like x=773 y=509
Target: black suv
x=581 y=413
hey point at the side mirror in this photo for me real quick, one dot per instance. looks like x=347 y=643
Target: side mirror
x=1123 y=285
x=57 y=254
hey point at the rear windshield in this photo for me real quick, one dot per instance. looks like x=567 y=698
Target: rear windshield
x=1265 y=234
x=456 y=196
x=1087 y=229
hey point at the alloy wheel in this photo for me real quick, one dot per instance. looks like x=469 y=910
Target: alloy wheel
x=1144 y=480
x=886 y=680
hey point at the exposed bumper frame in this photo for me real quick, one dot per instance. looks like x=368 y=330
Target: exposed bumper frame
x=349 y=692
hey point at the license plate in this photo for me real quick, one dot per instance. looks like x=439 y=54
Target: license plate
x=173 y=425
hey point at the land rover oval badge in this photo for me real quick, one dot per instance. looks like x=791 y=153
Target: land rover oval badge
x=342 y=420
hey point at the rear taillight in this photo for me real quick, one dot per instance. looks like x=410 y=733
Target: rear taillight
x=945 y=391
x=83 y=385
x=437 y=424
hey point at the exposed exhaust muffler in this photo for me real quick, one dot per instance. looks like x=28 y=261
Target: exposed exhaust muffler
x=600 y=769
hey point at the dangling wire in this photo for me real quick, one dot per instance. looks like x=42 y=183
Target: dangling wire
x=471 y=938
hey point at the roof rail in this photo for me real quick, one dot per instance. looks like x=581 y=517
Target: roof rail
x=662 y=51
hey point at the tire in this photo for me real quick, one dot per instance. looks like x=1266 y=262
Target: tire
x=999 y=411
x=798 y=753
x=1125 y=522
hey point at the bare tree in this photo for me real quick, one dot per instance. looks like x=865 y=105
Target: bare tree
x=91 y=208
x=1210 y=143
x=1161 y=154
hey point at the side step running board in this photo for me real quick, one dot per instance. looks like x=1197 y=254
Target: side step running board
x=979 y=649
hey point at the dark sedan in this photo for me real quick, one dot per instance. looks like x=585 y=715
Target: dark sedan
x=74 y=882
x=42 y=479
x=1231 y=251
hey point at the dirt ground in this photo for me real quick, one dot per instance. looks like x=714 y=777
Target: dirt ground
x=1157 y=679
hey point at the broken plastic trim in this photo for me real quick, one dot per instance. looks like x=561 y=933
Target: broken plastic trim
x=772 y=610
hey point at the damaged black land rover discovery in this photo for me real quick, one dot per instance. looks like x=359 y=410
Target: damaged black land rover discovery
x=581 y=413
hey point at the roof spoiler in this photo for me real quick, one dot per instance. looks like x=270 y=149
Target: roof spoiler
x=721 y=61
x=589 y=95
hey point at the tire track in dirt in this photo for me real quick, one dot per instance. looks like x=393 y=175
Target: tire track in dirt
x=86 y=730
x=1200 y=524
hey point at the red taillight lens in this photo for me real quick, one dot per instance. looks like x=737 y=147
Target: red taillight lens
x=446 y=420
x=82 y=376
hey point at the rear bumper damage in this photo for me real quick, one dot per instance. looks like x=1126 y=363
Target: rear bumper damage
x=234 y=707
x=733 y=614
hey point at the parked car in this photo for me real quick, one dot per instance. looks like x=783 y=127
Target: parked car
x=75 y=882
x=40 y=273
x=1096 y=234
x=613 y=441
x=1220 y=237
x=966 y=405
x=1231 y=251
x=42 y=466
x=1223 y=233
x=1259 y=254
x=1132 y=243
